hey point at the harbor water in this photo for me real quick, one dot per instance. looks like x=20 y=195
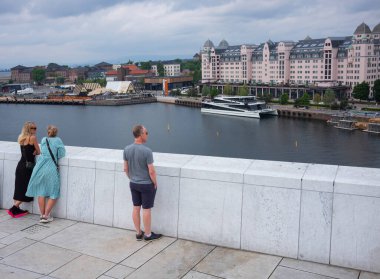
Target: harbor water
x=185 y=130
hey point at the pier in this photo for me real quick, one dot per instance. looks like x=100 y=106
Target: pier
x=6 y=100
x=121 y=102
x=189 y=102
x=302 y=113
x=77 y=101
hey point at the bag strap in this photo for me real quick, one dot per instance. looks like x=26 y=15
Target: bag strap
x=51 y=154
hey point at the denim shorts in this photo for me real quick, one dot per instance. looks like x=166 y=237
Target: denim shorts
x=143 y=194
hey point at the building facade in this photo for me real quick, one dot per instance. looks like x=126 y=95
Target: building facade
x=171 y=68
x=21 y=74
x=330 y=61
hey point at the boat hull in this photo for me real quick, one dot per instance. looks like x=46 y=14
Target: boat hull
x=250 y=114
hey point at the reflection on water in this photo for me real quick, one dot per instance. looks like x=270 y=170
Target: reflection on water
x=176 y=129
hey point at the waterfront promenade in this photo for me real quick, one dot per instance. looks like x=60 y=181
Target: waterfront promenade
x=71 y=249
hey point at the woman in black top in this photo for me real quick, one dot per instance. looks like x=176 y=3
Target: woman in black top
x=29 y=149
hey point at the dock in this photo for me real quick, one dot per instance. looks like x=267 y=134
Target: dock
x=302 y=113
x=42 y=101
x=121 y=102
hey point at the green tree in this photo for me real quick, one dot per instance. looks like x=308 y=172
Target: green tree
x=160 y=69
x=361 y=91
x=80 y=80
x=146 y=65
x=197 y=76
x=214 y=92
x=227 y=89
x=192 y=92
x=376 y=90
x=38 y=75
x=102 y=82
x=329 y=97
x=175 y=92
x=243 y=90
x=304 y=100
x=317 y=98
x=267 y=97
x=206 y=90
x=284 y=98
x=343 y=104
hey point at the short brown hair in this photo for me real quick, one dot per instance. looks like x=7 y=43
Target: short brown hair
x=52 y=131
x=138 y=130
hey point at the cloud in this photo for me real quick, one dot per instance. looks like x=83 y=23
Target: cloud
x=89 y=31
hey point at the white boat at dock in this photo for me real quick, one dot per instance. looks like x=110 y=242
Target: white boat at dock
x=243 y=106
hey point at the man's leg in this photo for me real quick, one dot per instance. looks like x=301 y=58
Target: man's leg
x=136 y=218
x=147 y=219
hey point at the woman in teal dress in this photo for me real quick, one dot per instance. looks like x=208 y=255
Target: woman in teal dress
x=45 y=180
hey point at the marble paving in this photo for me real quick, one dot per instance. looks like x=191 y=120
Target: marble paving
x=70 y=249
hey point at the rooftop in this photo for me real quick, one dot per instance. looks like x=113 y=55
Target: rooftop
x=71 y=249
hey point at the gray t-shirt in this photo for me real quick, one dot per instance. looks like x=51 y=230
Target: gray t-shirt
x=138 y=157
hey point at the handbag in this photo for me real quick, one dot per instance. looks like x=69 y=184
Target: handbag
x=52 y=156
x=28 y=165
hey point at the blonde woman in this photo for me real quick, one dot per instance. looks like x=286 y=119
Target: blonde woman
x=45 y=180
x=29 y=149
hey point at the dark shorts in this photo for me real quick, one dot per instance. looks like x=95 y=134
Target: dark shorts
x=143 y=194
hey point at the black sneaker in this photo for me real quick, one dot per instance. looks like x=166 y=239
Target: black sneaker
x=153 y=236
x=11 y=211
x=18 y=212
x=140 y=236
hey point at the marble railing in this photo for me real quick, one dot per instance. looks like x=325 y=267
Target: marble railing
x=321 y=213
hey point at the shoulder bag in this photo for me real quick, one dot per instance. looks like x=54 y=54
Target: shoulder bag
x=52 y=156
x=28 y=165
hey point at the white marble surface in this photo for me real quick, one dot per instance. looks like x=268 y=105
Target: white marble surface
x=319 y=178
x=200 y=198
x=358 y=181
x=104 y=197
x=122 y=210
x=8 y=182
x=270 y=220
x=165 y=211
x=60 y=209
x=275 y=174
x=216 y=168
x=210 y=212
x=80 y=194
x=355 y=240
x=1 y=182
x=315 y=226
x=170 y=164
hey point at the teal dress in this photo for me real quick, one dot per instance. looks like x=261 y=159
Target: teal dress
x=45 y=180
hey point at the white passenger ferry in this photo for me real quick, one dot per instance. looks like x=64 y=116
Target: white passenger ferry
x=244 y=106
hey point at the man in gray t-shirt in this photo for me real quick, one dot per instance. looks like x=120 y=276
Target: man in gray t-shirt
x=138 y=165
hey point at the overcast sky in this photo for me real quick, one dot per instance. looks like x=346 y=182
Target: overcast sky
x=85 y=32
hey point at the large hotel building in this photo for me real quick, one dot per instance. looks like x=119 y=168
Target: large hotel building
x=328 y=61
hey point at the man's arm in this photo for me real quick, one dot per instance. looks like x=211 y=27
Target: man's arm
x=126 y=170
x=152 y=174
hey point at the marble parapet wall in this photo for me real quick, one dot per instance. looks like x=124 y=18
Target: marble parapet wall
x=320 y=213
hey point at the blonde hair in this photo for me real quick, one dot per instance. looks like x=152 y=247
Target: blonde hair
x=25 y=131
x=52 y=131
